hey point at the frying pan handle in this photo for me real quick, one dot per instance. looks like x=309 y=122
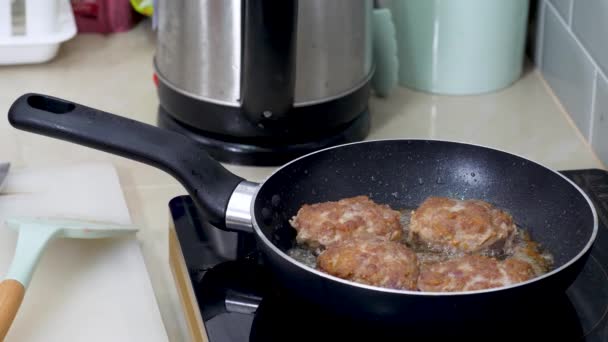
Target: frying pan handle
x=206 y=180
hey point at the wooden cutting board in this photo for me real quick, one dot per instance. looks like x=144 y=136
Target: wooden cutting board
x=82 y=290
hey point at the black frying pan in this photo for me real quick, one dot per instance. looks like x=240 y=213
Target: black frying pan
x=401 y=173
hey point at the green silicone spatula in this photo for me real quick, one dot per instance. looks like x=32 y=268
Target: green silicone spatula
x=34 y=235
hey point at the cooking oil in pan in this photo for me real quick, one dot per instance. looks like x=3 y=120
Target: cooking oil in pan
x=523 y=248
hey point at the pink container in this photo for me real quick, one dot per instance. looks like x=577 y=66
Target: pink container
x=104 y=16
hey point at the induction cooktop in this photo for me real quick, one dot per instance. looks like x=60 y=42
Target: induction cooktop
x=233 y=298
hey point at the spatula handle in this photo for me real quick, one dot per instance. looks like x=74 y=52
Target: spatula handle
x=11 y=296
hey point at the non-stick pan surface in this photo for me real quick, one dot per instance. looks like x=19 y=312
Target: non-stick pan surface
x=401 y=173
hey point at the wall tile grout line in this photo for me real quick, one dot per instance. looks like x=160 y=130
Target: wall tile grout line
x=578 y=42
x=596 y=76
x=568 y=117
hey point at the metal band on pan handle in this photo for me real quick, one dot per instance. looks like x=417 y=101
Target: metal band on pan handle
x=238 y=212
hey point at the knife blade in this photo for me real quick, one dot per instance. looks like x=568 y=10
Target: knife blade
x=4 y=167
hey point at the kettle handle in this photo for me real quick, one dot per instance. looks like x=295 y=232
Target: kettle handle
x=268 y=59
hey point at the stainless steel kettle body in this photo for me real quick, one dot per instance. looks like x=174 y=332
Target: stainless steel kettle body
x=260 y=68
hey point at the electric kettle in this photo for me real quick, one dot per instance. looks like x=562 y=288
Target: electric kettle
x=261 y=74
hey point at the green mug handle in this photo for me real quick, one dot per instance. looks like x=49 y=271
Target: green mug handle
x=385 y=57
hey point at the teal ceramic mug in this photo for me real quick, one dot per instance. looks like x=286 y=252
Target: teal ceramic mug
x=460 y=46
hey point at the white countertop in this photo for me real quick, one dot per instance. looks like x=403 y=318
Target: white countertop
x=114 y=73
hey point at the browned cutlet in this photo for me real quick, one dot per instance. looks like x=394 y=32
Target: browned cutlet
x=322 y=224
x=468 y=226
x=374 y=262
x=473 y=272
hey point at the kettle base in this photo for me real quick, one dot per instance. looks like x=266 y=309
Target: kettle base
x=232 y=151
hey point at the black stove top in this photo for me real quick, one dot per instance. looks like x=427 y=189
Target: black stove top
x=239 y=301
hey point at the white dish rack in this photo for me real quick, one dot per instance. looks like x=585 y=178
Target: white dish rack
x=31 y=31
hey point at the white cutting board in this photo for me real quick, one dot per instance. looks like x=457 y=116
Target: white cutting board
x=82 y=290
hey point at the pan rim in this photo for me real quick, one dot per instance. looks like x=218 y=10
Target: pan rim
x=306 y=268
